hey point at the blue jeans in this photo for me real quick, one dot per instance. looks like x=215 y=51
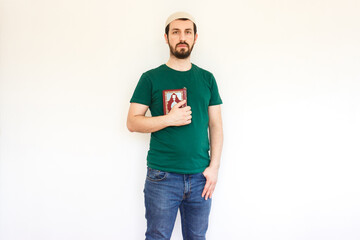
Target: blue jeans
x=164 y=194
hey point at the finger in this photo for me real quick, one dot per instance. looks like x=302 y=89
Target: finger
x=205 y=195
x=179 y=104
x=212 y=191
x=206 y=188
x=208 y=193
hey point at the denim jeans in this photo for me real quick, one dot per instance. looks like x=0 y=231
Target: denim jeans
x=167 y=192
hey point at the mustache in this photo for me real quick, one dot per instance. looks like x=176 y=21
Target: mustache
x=182 y=43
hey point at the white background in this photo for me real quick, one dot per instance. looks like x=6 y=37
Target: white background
x=288 y=74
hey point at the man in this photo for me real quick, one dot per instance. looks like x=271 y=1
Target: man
x=180 y=174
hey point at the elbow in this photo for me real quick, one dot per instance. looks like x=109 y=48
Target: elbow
x=130 y=127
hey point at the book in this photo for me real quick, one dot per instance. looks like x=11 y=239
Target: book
x=172 y=96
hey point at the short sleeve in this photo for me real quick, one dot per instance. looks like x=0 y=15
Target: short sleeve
x=142 y=93
x=215 y=96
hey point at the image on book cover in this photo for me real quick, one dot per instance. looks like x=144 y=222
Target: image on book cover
x=171 y=97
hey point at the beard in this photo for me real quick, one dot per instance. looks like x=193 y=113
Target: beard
x=181 y=53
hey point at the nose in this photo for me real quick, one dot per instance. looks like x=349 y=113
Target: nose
x=182 y=36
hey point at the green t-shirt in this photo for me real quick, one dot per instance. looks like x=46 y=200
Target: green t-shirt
x=182 y=149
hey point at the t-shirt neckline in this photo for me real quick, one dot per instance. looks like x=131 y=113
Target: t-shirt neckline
x=177 y=71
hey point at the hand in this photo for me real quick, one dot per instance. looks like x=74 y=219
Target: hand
x=179 y=116
x=211 y=175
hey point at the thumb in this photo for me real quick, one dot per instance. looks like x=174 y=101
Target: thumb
x=179 y=104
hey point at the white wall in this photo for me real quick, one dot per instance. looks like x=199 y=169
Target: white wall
x=288 y=73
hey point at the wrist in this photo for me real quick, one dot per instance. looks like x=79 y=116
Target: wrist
x=167 y=120
x=215 y=166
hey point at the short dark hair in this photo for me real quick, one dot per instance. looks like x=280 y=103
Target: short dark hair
x=184 y=19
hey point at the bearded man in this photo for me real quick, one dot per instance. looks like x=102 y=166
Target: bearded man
x=181 y=173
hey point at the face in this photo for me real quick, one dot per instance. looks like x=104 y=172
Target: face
x=181 y=38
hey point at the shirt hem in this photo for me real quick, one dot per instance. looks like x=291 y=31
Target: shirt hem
x=192 y=171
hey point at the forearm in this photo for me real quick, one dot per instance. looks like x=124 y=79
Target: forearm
x=216 y=143
x=145 y=124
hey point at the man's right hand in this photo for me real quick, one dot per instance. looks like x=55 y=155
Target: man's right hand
x=179 y=116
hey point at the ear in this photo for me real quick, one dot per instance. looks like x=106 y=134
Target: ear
x=166 y=38
x=196 y=36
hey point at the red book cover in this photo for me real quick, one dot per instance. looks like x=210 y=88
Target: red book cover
x=171 y=97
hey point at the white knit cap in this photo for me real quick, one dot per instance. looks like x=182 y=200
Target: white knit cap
x=178 y=15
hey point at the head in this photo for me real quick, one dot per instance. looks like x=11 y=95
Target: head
x=180 y=34
x=174 y=97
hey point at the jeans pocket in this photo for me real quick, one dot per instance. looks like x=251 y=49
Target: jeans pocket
x=202 y=174
x=156 y=175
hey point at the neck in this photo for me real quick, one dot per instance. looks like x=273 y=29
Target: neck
x=179 y=64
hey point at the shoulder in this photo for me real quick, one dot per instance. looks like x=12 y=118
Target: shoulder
x=201 y=70
x=205 y=74
x=154 y=71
